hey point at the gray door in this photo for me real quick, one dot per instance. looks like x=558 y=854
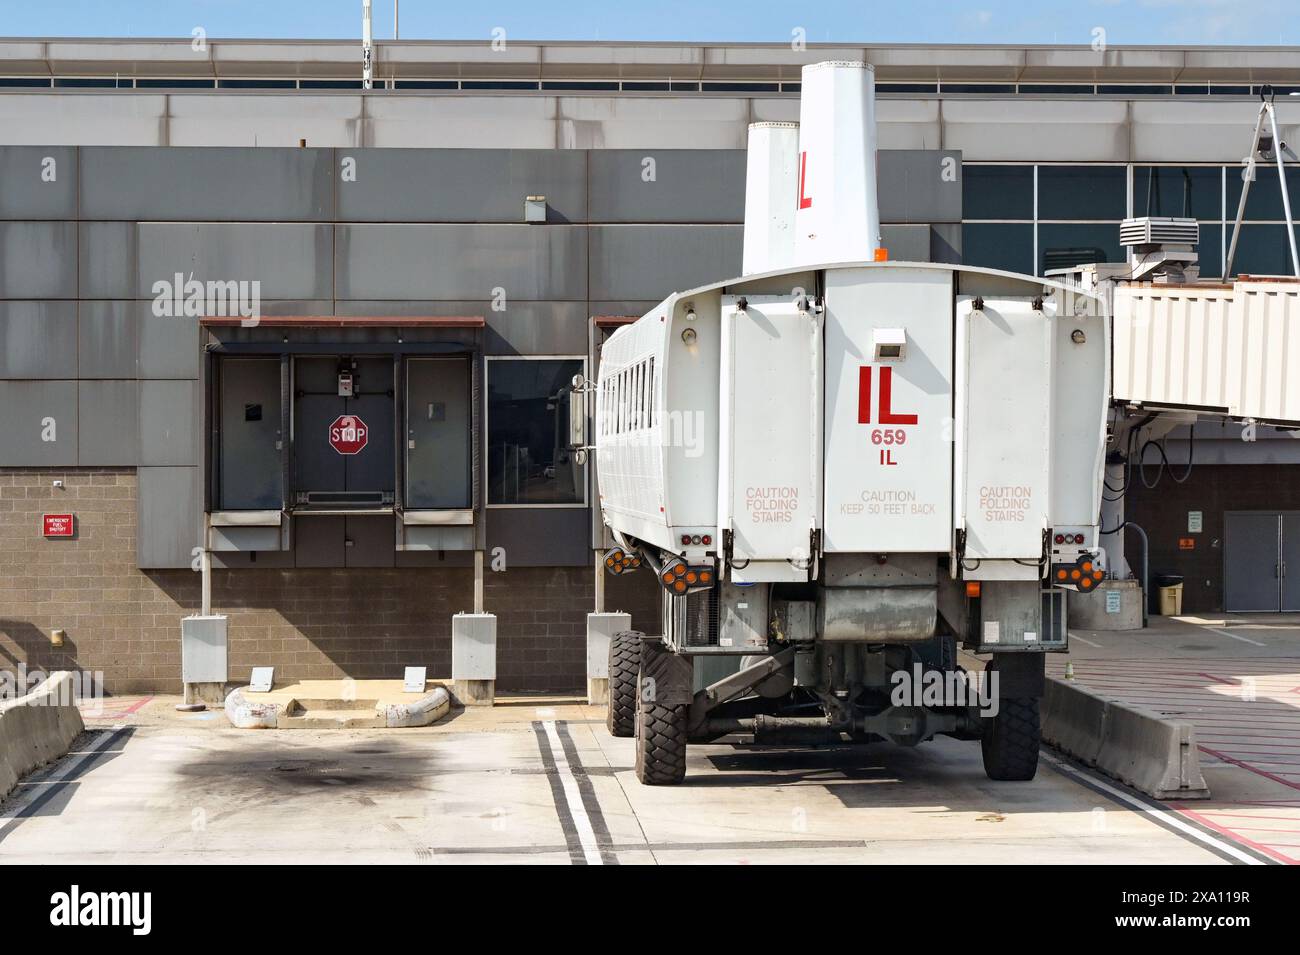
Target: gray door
x=1252 y=562
x=250 y=475
x=1290 y=570
x=438 y=433
x=321 y=474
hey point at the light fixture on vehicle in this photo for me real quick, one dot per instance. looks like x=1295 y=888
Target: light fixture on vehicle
x=678 y=577
x=972 y=588
x=1083 y=575
x=618 y=560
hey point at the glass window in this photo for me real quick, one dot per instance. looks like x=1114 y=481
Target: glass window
x=529 y=461
x=997 y=192
x=1064 y=245
x=1082 y=192
x=1210 y=250
x=1262 y=250
x=1264 y=204
x=1190 y=191
x=998 y=246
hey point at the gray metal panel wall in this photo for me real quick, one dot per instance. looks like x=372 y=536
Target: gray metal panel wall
x=38 y=339
x=169 y=423
x=650 y=262
x=107 y=259
x=169 y=346
x=108 y=433
x=107 y=339
x=541 y=537
x=206 y=183
x=919 y=185
x=403 y=261
x=521 y=328
x=38 y=260
x=289 y=260
x=168 y=522
x=667 y=185
x=460 y=185
x=38 y=182
x=31 y=409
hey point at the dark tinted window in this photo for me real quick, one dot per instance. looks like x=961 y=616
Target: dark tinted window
x=1081 y=192
x=1062 y=245
x=1194 y=191
x=1210 y=250
x=1265 y=200
x=1076 y=89
x=529 y=461
x=998 y=246
x=997 y=192
x=1262 y=250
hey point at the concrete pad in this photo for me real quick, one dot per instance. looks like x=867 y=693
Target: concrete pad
x=538 y=780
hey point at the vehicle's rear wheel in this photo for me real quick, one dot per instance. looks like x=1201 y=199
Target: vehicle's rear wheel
x=660 y=742
x=1011 y=740
x=624 y=662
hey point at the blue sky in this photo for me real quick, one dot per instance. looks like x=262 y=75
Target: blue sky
x=1178 y=22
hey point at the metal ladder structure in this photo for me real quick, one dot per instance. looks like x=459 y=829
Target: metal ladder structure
x=1261 y=148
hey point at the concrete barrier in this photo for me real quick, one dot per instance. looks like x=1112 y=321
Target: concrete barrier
x=37 y=728
x=1154 y=755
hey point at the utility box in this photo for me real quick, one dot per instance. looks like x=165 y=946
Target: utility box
x=474 y=658
x=204 y=668
x=601 y=628
x=1171 y=600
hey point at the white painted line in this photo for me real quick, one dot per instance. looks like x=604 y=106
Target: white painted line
x=1166 y=816
x=1086 y=643
x=581 y=821
x=1234 y=636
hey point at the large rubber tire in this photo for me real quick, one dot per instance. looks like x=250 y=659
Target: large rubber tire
x=624 y=661
x=660 y=743
x=1011 y=740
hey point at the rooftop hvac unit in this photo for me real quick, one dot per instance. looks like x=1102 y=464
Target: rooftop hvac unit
x=1161 y=249
x=1159 y=230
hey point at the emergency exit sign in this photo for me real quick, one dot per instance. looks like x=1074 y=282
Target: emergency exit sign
x=58 y=525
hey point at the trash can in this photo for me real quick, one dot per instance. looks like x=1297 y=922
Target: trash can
x=1171 y=594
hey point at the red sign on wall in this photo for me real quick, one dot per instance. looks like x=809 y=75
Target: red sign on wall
x=348 y=434
x=58 y=525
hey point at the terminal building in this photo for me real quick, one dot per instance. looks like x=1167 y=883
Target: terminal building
x=328 y=333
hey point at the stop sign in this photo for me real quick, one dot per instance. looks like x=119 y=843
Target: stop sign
x=348 y=434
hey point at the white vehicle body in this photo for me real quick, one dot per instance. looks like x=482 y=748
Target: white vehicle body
x=791 y=433
x=838 y=470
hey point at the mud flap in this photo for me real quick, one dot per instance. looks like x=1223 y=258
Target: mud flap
x=666 y=678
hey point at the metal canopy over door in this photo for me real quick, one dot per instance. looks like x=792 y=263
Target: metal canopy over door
x=322 y=475
x=1257 y=546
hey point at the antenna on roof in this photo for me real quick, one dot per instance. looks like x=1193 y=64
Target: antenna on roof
x=367 y=47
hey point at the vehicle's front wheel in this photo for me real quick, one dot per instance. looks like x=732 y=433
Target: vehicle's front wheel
x=624 y=663
x=660 y=742
x=1011 y=740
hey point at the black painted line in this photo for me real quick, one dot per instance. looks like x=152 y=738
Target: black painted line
x=589 y=801
x=576 y=855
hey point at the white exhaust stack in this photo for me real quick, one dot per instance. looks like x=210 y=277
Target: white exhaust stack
x=837 y=216
x=771 y=182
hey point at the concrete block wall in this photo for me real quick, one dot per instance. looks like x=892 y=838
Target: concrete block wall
x=308 y=623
